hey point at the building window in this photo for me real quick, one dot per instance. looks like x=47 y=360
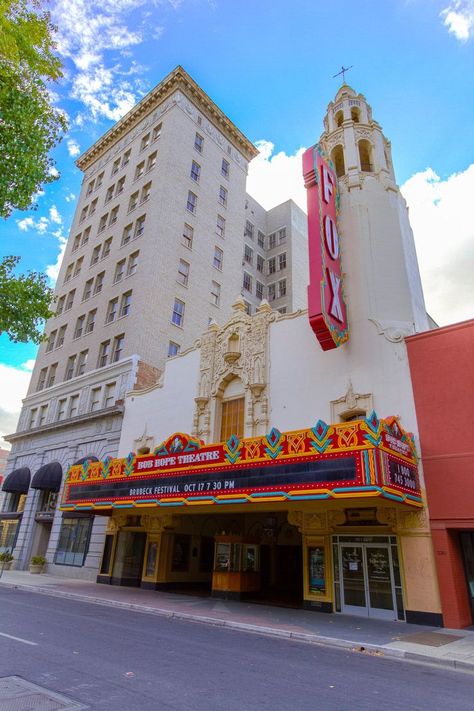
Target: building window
x=109 y=395
x=69 y=300
x=120 y=185
x=61 y=336
x=183 y=272
x=145 y=194
x=106 y=248
x=118 y=348
x=104 y=353
x=90 y=323
x=248 y=307
x=51 y=340
x=139 y=226
x=272 y=265
x=78 y=267
x=42 y=415
x=82 y=362
x=126 y=158
x=249 y=229
x=70 y=366
x=79 y=327
x=93 y=207
x=282 y=235
x=215 y=293
x=232 y=419
x=271 y=292
x=76 y=243
x=73 y=543
x=220 y=226
x=260 y=263
x=191 y=203
x=111 y=314
x=259 y=290
x=61 y=411
x=156 y=132
x=195 y=171
x=90 y=188
x=225 y=168
x=99 y=283
x=95 y=255
x=132 y=263
x=99 y=181
x=173 y=349
x=113 y=215
x=247 y=282
x=282 y=261
x=151 y=162
x=125 y=304
x=52 y=375
x=272 y=241
x=68 y=274
x=188 y=234
x=84 y=212
x=119 y=271
x=109 y=194
x=248 y=254
x=41 y=379
x=115 y=166
x=177 y=317
x=282 y=288
x=282 y=310
x=133 y=202
x=95 y=399
x=198 y=142
x=85 y=236
x=32 y=418
x=139 y=170
x=261 y=239
x=60 y=306
x=145 y=142
x=126 y=235
x=218 y=258
x=73 y=406
x=222 y=198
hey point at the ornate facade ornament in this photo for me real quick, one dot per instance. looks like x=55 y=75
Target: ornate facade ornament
x=351 y=402
x=158 y=524
x=387 y=517
x=315 y=522
x=393 y=331
x=336 y=517
x=295 y=518
x=412 y=520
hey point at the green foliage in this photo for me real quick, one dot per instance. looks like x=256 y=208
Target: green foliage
x=25 y=302
x=6 y=557
x=38 y=560
x=29 y=126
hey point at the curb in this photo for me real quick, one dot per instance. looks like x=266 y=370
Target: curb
x=301 y=637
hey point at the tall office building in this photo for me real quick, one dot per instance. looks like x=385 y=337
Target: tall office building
x=154 y=255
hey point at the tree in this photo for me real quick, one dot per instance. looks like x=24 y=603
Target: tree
x=24 y=302
x=29 y=126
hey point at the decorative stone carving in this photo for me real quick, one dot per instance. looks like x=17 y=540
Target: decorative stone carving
x=412 y=520
x=315 y=522
x=158 y=524
x=336 y=518
x=362 y=133
x=393 y=331
x=351 y=401
x=387 y=517
x=143 y=442
x=295 y=518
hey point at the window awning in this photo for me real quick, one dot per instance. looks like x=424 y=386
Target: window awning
x=48 y=477
x=88 y=458
x=18 y=481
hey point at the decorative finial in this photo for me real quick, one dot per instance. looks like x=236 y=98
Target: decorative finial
x=343 y=71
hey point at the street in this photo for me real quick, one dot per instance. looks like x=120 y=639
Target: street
x=111 y=659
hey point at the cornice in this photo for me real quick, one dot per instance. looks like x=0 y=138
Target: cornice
x=177 y=79
x=68 y=422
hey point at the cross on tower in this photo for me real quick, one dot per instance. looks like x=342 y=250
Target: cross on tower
x=343 y=71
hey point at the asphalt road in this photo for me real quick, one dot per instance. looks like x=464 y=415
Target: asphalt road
x=118 y=660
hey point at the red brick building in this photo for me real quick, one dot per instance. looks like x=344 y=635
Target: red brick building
x=442 y=371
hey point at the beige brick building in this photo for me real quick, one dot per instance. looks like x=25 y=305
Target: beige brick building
x=158 y=248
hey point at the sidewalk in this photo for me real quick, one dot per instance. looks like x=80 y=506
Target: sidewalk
x=453 y=649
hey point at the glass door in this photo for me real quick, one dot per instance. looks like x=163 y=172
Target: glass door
x=367 y=580
x=353 y=580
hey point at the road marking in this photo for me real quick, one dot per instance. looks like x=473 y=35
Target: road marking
x=19 y=639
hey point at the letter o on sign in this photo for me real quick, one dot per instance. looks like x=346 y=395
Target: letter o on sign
x=331 y=237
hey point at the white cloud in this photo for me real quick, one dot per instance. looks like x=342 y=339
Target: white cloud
x=441 y=218
x=15 y=383
x=54 y=215
x=73 y=147
x=70 y=197
x=29 y=223
x=52 y=270
x=276 y=177
x=28 y=365
x=459 y=19
x=25 y=224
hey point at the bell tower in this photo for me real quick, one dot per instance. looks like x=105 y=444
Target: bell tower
x=381 y=277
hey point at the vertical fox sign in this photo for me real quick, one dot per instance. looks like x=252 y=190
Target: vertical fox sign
x=326 y=306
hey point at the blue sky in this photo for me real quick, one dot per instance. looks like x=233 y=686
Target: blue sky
x=269 y=65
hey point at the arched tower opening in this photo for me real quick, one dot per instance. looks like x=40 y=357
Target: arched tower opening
x=365 y=156
x=339 y=118
x=337 y=157
x=355 y=114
